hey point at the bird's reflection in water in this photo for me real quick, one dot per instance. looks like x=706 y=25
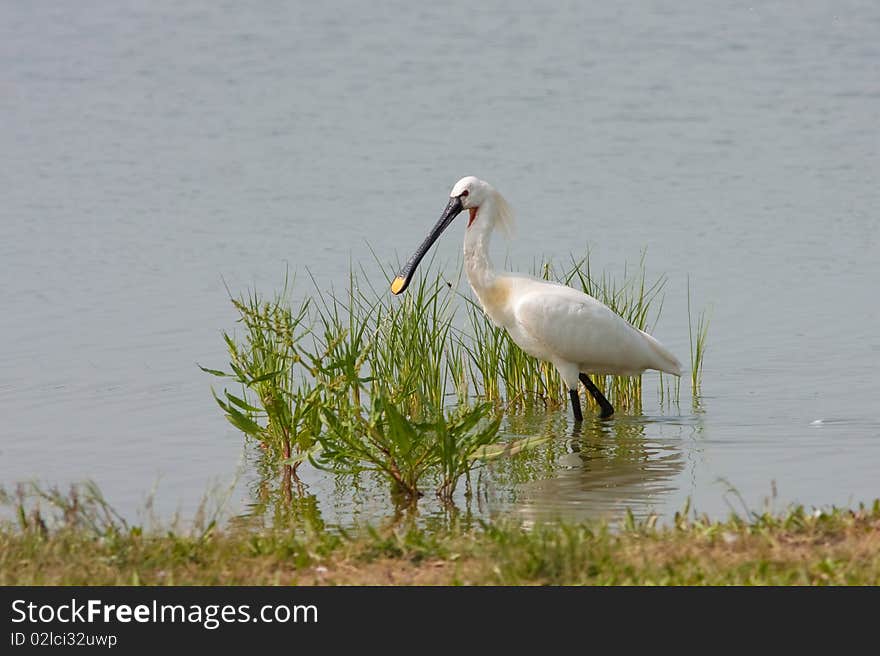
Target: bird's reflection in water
x=596 y=469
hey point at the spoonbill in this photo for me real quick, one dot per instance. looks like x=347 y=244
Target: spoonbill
x=550 y=321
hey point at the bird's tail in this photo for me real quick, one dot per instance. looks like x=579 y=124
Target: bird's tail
x=662 y=358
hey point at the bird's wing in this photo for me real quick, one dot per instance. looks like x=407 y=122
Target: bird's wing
x=578 y=329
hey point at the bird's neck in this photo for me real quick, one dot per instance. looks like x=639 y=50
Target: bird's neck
x=480 y=271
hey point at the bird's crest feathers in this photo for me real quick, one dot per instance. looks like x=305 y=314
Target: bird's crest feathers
x=504 y=217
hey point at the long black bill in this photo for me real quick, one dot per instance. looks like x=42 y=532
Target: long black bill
x=401 y=282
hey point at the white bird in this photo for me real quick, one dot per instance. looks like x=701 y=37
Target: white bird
x=550 y=321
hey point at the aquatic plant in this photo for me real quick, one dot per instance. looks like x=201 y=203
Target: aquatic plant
x=460 y=438
x=697 y=333
x=405 y=387
x=275 y=406
x=403 y=450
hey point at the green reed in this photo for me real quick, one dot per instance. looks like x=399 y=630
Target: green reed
x=421 y=353
x=413 y=354
x=697 y=333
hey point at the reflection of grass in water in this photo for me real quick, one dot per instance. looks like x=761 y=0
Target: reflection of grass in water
x=622 y=441
x=597 y=469
x=616 y=442
x=538 y=463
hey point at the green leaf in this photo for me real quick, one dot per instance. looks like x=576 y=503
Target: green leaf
x=241 y=403
x=239 y=373
x=213 y=372
x=401 y=432
x=243 y=423
x=271 y=374
x=223 y=405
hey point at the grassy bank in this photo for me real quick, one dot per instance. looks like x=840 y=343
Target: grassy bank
x=797 y=548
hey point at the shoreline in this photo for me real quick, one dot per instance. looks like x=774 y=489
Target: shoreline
x=797 y=547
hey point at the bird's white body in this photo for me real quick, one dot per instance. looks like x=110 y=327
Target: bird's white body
x=547 y=320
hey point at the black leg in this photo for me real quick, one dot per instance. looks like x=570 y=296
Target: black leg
x=607 y=408
x=576 y=405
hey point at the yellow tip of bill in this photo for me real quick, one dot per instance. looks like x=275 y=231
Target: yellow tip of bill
x=398 y=285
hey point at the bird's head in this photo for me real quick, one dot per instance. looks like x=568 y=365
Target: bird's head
x=471 y=191
x=470 y=194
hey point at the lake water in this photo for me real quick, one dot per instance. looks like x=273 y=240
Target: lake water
x=153 y=150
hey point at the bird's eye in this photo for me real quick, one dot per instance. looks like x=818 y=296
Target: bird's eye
x=464 y=194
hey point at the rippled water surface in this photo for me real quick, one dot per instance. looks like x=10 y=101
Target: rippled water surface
x=152 y=150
